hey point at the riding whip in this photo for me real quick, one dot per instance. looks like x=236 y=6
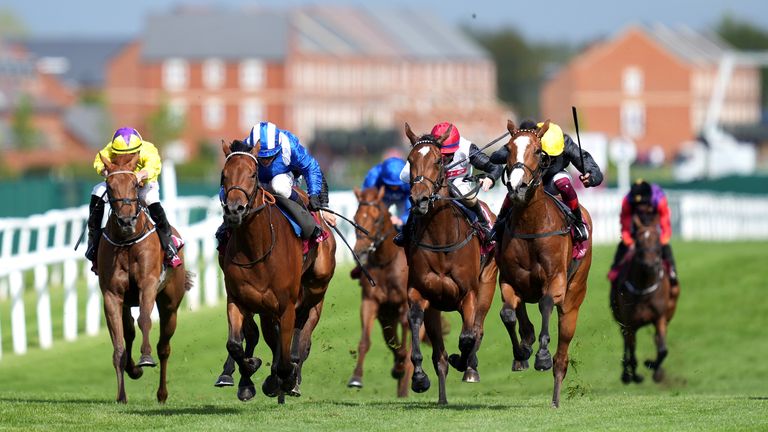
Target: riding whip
x=357 y=227
x=578 y=140
x=453 y=164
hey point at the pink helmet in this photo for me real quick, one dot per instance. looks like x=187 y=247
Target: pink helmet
x=451 y=144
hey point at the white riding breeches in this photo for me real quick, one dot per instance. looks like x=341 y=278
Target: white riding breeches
x=464 y=187
x=281 y=184
x=148 y=194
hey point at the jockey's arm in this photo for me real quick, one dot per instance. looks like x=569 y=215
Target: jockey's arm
x=405 y=173
x=150 y=161
x=481 y=161
x=626 y=222
x=500 y=156
x=98 y=165
x=302 y=161
x=574 y=156
x=665 y=220
x=372 y=177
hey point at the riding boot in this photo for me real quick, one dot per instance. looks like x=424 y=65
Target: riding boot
x=403 y=237
x=618 y=257
x=222 y=236
x=95 y=214
x=483 y=224
x=564 y=186
x=294 y=206
x=669 y=261
x=169 y=243
x=580 y=232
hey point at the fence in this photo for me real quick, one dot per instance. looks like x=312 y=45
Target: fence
x=39 y=250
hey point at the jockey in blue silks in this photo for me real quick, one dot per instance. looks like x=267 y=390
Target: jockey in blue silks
x=280 y=156
x=396 y=191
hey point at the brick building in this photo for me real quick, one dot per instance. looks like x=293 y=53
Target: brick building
x=652 y=85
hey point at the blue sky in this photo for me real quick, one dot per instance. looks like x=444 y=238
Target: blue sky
x=574 y=20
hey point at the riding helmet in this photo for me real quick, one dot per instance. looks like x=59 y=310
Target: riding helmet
x=640 y=192
x=451 y=144
x=553 y=141
x=390 y=171
x=126 y=140
x=268 y=136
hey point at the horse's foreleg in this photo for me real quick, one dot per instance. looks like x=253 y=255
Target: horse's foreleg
x=525 y=330
x=167 y=329
x=113 y=312
x=302 y=344
x=467 y=337
x=368 y=310
x=566 y=329
x=129 y=332
x=543 y=357
x=286 y=369
x=629 y=363
x=483 y=304
x=251 y=334
x=419 y=381
x=403 y=369
x=661 y=349
x=434 y=328
x=147 y=295
x=235 y=319
x=509 y=318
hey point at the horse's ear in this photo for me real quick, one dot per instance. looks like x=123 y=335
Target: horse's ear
x=133 y=161
x=409 y=133
x=511 y=127
x=382 y=190
x=445 y=135
x=256 y=147
x=107 y=163
x=226 y=148
x=543 y=129
x=356 y=190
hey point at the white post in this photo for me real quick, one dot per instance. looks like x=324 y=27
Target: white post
x=93 y=305
x=18 y=323
x=211 y=271
x=168 y=186
x=59 y=231
x=192 y=261
x=70 y=300
x=44 y=328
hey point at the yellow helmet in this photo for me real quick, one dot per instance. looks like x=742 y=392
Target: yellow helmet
x=126 y=140
x=553 y=141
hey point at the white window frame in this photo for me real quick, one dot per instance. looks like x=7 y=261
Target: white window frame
x=633 y=119
x=252 y=74
x=178 y=109
x=214 y=113
x=252 y=111
x=214 y=73
x=175 y=74
x=632 y=81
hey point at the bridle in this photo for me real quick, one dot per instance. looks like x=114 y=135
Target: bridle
x=249 y=195
x=437 y=183
x=145 y=231
x=657 y=264
x=536 y=175
x=124 y=201
x=378 y=239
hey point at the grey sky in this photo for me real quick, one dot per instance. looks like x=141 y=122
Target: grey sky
x=575 y=20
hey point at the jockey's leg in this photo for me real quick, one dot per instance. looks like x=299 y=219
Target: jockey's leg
x=150 y=196
x=95 y=214
x=562 y=182
x=474 y=205
x=621 y=251
x=666 y=255
x=223 y=231
x=282 y=187
x=403 y=235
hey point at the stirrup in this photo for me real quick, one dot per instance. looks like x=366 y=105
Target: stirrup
x=173 y=261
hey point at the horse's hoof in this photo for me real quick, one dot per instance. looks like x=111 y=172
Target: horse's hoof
x=519 y=365
x=246 y=393
x=442 y=401
x=271 y=386
x=398 y=373
x=650 y=364
x=355 y=383
x=527 y=351
x=224 y=380
x=626 y=377
x=455 y=361
x=658 y=375
x=252 y=365
x=471 y=376
x=637 y=378
x=295 y=391
x=134 y=372
x=419 y=382
x=543 y=361
x=292 y=381
x=281 y=398
x=146 y=360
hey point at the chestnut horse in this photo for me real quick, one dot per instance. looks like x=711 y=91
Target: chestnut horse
x=535 y=259
x=641 y=296
x=446 y=269
x=131 y=273
x=265 y=273
x=388 y=300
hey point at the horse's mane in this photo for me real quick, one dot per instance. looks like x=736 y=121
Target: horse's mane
x=240 y=146
x=528 y=125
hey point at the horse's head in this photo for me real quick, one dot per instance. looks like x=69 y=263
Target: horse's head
x=240 y=181
x=427 y=168
x=373 y=216
x=123 y=190
x=647 y=236
x=525 y=161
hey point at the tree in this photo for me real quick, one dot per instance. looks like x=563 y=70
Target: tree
x=10 y=25
x=24 y=133
x=744 y=35
x=164 y=125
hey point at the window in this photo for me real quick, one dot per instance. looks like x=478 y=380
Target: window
x=175 y=74
x=251 y=74
x=251 y=112
x=213 y=113
x=633 y=119
x=213 y=73
x=632 y=81
x=177 y=109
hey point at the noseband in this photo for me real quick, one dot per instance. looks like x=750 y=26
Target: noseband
x=436 y=184
x=250 y=196
x=544 y=162
x=124 y=201
x=376 y=240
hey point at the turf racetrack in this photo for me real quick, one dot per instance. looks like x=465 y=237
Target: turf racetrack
x=717 y=376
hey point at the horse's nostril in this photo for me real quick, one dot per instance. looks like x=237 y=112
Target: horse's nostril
x=240 y=208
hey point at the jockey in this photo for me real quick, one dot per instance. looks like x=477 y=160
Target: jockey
x=396 y=191
x=280 y=156
x=562 y=152
x=127 y=140
x=466 y=153
x=644 y=197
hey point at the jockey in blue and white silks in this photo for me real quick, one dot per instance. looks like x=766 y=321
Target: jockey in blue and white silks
x=280 y=155
x=396 y=191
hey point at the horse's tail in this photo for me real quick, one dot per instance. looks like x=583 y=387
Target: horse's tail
x=188 y=280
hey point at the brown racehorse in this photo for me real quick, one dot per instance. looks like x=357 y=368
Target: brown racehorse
x=388 y=300
x=641 y=296
x=131 y=273
x=265 y=273
x=535 y=259
x=446 y=269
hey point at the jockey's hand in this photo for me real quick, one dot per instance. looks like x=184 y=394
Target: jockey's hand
x=586 y=180
x=329 y=218
x=141 y=176
x=104 y=172
x=486 y=184
x=315 y=203
x=396 y=221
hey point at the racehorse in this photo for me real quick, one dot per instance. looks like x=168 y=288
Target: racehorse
x=266 y=273
x=446 y=269
x=535 y=258
x=641 y=295
x=131 y=273
x=388 y=299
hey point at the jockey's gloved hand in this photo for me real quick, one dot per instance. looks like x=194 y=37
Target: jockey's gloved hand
x=316 y=203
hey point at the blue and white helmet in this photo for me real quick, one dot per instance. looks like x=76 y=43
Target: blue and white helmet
x=268 y=136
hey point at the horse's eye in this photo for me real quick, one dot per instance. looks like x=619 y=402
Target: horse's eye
x=253 y=175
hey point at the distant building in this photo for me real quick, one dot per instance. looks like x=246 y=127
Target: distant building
x=309 y=70
x=652 y=85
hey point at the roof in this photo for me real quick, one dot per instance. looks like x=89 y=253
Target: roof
x=689 y=45
x=341 y=31
x=76 y=61
x=88 y=124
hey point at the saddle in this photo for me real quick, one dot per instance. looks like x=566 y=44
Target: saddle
x=579 y=248
x=306 y=245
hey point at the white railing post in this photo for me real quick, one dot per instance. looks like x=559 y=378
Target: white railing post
x=70 y=300
x=44 y=326
x=93 y=304
x=192 y=259
x=18 y=322
x=211 y=270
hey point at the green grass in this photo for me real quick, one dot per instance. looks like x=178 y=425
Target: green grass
x=717 y=378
